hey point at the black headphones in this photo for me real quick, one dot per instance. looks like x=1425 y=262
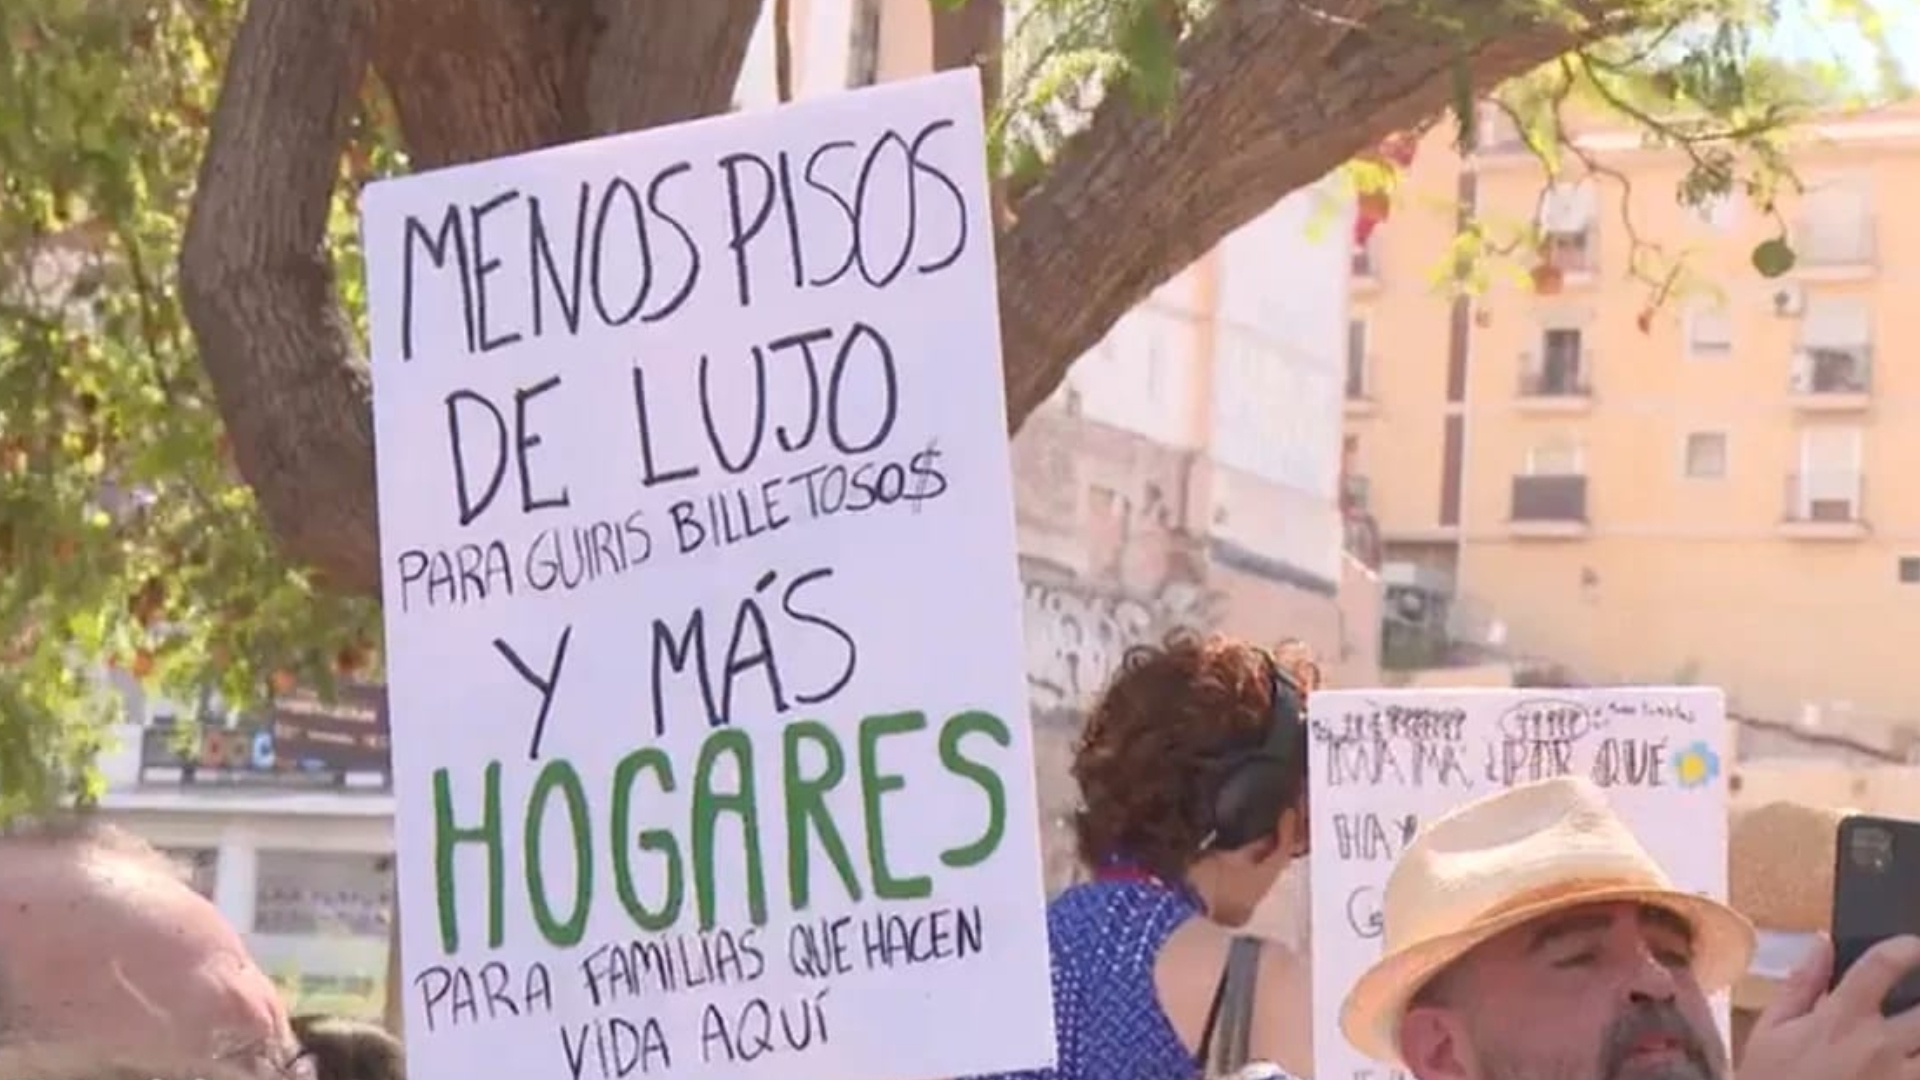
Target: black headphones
x=1252 y=789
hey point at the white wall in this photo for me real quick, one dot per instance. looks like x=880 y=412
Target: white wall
x=1278 y=381
x=1144 y=375
x=820 y=37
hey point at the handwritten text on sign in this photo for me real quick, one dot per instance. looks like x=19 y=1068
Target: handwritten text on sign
x=704 y=635
x=1386 y=760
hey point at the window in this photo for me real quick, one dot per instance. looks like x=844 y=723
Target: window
x=1828 y=485
x=323 y=893
x=1835 y=346
x=1836 y=223
x=1365 y=260
x=1567 y=212
x=1709 y=331
x=1910 y=569
x=1356 y=359
x=1354 y=491
x=1556 y=457
x=1706 y=455
x=1559 y=369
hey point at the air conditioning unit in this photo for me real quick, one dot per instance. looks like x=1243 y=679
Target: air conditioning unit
x=1416 y=596
x=1410 y=606
x=1789 y=301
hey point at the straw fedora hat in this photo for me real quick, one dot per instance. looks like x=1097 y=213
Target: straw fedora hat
x=1780 y=859
x=1506 y=860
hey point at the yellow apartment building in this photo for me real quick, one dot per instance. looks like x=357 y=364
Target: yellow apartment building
x=1727 y=495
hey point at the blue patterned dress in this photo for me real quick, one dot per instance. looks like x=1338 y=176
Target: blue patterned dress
x=1105 y=936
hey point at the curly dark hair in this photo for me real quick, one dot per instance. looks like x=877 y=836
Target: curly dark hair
x=342 y=1048
x=1144 y=761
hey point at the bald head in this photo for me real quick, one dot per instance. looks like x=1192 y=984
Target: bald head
x=103 y=944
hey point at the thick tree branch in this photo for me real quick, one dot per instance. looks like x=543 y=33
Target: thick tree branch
x=663 y=61
x=1274 y=95
x=470 y=79
x=482 y=78
x=973 y=35
x=257 y=282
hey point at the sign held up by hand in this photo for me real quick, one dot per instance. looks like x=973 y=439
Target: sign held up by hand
x=703 y=619
x=1383 y=761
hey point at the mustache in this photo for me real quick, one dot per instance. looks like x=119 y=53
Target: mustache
x=1652 y=1020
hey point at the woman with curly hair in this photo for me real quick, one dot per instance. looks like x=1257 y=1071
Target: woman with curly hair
x=1192 y=772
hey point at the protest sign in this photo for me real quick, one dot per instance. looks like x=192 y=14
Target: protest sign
x=710 y=743
x=1386 y=760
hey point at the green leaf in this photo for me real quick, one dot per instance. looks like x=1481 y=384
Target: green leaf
x=1773 y=258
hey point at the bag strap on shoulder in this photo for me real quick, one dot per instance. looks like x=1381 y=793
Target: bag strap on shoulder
x=1226 y=1042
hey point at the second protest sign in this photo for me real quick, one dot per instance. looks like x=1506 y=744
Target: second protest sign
x=1386 y=761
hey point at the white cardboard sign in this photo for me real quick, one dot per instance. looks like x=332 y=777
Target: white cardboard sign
x=1386 y=760
x=704 y=633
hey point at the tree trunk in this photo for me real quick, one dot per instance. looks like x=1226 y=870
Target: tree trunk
x=258 y=287
x=1274 y=95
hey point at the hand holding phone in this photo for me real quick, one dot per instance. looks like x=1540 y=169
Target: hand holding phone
x=1876 y=896
x=1809 y=1033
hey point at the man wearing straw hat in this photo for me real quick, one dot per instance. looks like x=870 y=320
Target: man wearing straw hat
x=1529 y=936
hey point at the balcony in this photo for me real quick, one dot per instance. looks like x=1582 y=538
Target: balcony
x=1829 y=378
x=1548 y=507
x=1824 y=505
x=1560 y=385
x=1835 y=250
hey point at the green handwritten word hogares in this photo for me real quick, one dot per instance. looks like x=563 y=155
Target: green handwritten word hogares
x=657 y=856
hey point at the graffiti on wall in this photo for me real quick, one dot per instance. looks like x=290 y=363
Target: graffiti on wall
x=1075 y=639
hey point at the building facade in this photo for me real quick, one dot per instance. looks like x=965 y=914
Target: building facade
x=286 y=820
x=1189 y=471
x=1709 y=490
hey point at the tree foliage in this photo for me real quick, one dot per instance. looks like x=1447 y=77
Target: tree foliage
x=127 y=540
x=1131 y=136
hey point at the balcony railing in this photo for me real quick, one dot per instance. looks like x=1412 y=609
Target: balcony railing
x=1829 y=369
x=1561 y=498
x=1551 y=380
x=1830 y=497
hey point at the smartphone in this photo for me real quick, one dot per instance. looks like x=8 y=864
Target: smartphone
x=1876 y=895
